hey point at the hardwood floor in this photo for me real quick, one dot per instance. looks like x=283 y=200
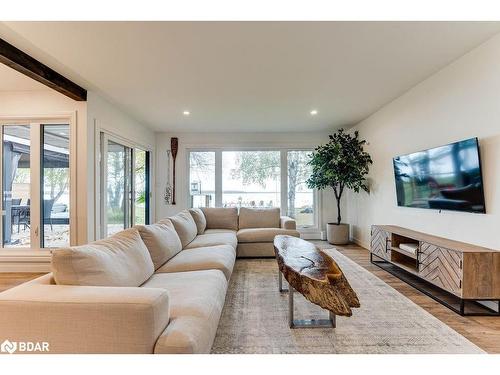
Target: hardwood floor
x=481 y=330
x=484 y=331
x=10 y=280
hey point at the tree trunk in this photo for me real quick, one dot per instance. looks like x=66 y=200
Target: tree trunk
x=62 y=190
x=338 y=190
x=339 y=218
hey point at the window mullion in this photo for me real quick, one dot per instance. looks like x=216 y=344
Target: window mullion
x=2 y=208
x=103 y=183
x=218 y=178
x=132 y=191
x=36 y=231
x=284 y=182
x=147 y=187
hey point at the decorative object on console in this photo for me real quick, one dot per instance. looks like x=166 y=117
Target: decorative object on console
x=341 y=163
x=410 y=248
x=174 y=147
x=168 y=189
x=454 y=273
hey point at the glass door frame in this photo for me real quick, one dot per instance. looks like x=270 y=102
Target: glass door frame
x=104 y=137
x=36 y=124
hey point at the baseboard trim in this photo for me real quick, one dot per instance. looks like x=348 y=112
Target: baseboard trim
x=361 y=243
x=311 y=235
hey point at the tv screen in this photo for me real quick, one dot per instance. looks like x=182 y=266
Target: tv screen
x=443 y=178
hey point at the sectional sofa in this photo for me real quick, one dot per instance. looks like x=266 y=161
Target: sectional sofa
x=156 y=288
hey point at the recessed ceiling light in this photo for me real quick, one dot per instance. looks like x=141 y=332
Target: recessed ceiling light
x=314 y=112
x=186 y=113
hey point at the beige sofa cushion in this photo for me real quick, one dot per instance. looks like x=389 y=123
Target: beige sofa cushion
x=288 y=223
x=255 y=250
x=220 y=257
x=161 y=239
x=119 y=260
x=199 y=219
x=184 y=226
x=214 y=239
x=211 y=231
x=259 y=218
x=84 y=319
x=263 y=234
x=196 y=302
x=221 y=218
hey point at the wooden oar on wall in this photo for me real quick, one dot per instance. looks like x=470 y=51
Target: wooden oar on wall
x=174 y=147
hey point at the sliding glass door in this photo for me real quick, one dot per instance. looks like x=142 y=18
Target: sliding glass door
x=35 y=185
x=55 y=195
x=141 y=179
x=16 y=186
x=118 y=176
x=125 y=187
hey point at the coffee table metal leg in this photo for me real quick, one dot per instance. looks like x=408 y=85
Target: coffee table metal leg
x=280 y=282
x=333 y=319
x=308 y=323
x=290 y=306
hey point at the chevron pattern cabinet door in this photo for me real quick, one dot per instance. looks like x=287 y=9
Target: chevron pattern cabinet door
x=379 y=242
x=441 y=266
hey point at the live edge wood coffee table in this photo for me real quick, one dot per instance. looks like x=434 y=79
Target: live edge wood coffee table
x=317 y=277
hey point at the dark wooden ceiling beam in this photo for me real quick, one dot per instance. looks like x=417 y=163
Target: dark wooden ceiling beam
x=27 y=65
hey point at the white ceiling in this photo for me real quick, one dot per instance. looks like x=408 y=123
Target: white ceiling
x=248 y=76
x=11 y=80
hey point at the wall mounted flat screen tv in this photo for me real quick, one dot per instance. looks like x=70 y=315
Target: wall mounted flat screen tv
x=444 y=178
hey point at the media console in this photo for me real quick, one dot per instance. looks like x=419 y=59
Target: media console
x=463 y=277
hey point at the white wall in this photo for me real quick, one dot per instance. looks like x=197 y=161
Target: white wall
x=227 y=140
x=105 y=116
x=460 y=101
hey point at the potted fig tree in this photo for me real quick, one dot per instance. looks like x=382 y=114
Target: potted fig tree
x=340 y=164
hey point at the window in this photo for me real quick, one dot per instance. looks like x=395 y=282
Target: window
x=118 y=176
x=261 y=178
x=16 y=181
x=36 y=198
x=141 y=186
x=55 y=186
x=202 y=179
x=125 y=186
x=300 y=199
x=251 y=179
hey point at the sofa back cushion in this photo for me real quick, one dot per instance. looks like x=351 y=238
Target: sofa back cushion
x=161 y=240
x=259 y=218
x=199 y=219
x=184 y=226
x=221 y=218
x=119 y=260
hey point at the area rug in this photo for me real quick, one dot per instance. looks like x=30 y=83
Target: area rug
x=254 y=319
